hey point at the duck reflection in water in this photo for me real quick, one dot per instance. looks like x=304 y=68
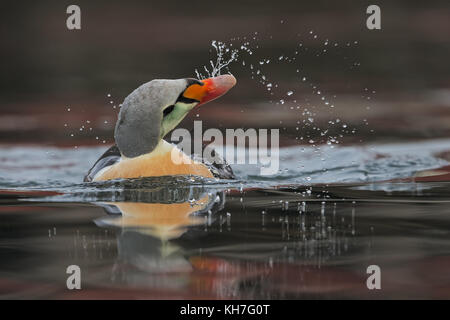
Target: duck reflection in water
x=145 y=231
x=170 y=244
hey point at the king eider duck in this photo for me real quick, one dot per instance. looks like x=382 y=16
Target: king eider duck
x=146 y=116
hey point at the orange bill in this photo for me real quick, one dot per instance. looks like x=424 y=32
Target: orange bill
x=211 y=89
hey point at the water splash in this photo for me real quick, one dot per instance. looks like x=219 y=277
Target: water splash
x=319 y=104
x=224 y=56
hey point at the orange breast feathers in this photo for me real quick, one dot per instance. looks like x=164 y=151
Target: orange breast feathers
x=165 y=160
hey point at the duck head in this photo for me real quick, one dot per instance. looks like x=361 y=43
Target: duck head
x=156 y=107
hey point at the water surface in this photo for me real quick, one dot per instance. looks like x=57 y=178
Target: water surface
x=311 y=231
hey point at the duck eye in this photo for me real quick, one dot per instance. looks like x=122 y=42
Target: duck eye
x=168 y=110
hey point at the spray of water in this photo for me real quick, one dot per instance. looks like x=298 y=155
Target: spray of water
x=242 y=52
x=224 y=56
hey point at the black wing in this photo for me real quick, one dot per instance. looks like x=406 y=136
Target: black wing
x=220 y=170
x=111 y=156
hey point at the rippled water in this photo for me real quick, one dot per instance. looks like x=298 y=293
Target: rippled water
x=39 y=167
x=311 y=231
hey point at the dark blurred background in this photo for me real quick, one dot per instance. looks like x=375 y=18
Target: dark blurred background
x=389 y=84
